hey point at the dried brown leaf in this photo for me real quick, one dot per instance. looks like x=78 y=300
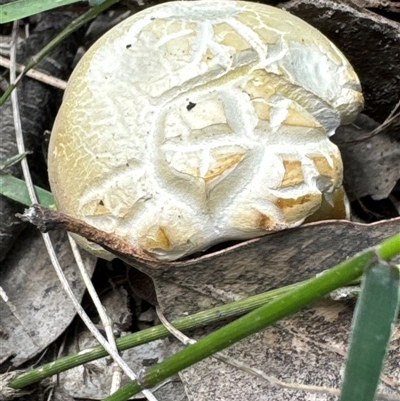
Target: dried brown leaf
x=37 y=310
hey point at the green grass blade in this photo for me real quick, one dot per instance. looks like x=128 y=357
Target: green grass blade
x=6 y=163
x=16 y=189
x=375 y=312
x=24 y=8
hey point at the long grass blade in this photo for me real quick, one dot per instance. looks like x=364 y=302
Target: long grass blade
x=16 y=189
x=24 y=8
x=375 y=312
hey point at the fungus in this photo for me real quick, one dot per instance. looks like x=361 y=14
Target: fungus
x=247 y=155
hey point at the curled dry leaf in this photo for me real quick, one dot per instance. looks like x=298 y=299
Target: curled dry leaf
x=369 y=40
x=257 y=265
x=193 y=123
x=37 y=310
x=372 y=164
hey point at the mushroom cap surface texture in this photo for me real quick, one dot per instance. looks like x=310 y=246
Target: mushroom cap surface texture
x=193 y=123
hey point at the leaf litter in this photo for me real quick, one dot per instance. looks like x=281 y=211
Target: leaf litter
x=307 y=347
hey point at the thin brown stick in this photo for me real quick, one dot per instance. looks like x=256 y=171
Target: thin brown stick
x=48 y=220
x=35 y=74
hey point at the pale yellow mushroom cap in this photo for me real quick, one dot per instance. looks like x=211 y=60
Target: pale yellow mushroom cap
x=192 y=123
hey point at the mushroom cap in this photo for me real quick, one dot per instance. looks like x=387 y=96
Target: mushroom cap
x=192 y=123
